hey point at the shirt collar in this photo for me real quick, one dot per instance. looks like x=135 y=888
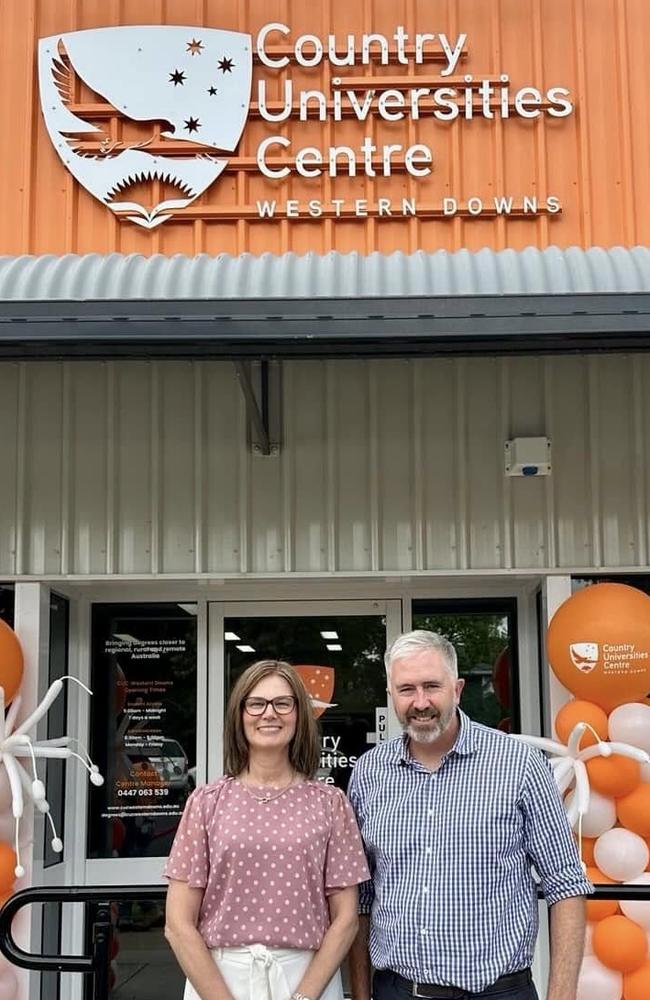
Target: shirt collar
x=465 y=741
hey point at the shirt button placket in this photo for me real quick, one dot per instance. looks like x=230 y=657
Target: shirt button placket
x=429 y=854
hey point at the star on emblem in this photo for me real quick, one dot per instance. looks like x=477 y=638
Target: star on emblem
x=195 y=47
x=212 y=91
x=177 y=77
x=226 y=65
x=192 y=124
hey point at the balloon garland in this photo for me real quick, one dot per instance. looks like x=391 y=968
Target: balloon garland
x=599 y=648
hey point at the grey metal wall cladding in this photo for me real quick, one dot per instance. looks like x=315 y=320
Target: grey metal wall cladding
x=389 y=466
x=485 y=272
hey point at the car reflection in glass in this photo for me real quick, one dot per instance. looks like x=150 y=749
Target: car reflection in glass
x=168 y=759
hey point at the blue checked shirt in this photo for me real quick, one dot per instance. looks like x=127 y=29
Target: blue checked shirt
x=452 y=899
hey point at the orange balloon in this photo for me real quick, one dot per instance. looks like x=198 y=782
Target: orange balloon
x=636 y=985
x=600 y=909
x=581 y=711
x=7 y=865
x=613 y=776
x=633 y=810
x=619 y=943
x=588 y=851
x=599 y=644
x=11 y=661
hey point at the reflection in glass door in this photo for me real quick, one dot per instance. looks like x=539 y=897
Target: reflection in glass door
x=484 y=633
x=338 y=649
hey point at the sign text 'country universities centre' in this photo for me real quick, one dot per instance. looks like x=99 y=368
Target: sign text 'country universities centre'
x=198 y=83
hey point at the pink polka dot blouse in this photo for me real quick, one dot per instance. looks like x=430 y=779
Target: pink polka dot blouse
x=266 y=867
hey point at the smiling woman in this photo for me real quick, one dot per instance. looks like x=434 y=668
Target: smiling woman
x=265 y=865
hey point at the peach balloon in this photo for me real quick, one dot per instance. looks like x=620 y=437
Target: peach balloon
x=619 y=943
x=621 y=854
x=613 y=776
x=638 y=910
x=581 y=711
x=600 y=815
x=631 y=724
x=11 y=661
x=633 y=810
x=598 y=644
x=598 y=909
x=637 y=984
x=596 y=982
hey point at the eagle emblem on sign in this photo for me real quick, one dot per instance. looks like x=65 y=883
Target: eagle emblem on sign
x=144 y=116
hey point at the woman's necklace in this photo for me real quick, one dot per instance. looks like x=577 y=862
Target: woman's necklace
x=273 y=795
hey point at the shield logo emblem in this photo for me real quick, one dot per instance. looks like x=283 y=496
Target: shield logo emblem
x=584 y=655
x=145 y=111
x=319 y=682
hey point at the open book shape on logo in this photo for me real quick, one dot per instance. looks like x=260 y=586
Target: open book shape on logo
x=173 y=101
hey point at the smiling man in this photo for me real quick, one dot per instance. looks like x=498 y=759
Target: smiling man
x=455 y=816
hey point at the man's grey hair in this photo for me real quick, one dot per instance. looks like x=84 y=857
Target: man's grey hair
x=422 y=641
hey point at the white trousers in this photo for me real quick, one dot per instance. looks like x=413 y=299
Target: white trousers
x=259 y=973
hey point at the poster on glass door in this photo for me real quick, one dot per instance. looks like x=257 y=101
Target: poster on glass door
x=144 y=671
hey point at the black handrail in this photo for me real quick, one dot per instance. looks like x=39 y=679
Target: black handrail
x=97 y=963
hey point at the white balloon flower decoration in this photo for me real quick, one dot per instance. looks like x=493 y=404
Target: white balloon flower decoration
x=16 y=743
x=568 y=763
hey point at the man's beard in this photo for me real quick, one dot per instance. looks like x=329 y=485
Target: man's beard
x=438 y=724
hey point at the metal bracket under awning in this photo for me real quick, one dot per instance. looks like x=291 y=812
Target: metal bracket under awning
x=261 y=385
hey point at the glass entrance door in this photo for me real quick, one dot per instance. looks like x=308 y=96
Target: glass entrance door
x=338 y=649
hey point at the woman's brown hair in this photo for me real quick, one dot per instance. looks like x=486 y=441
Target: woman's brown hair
x=304 y=749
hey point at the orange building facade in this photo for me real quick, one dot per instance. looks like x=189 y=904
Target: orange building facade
x=526 y=122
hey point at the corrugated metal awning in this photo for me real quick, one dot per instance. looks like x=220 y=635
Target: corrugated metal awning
x=462 y=302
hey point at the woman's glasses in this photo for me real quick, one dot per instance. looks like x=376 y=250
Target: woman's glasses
x=283 y=705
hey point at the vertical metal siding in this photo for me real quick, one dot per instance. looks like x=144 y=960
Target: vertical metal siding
x=388 y=466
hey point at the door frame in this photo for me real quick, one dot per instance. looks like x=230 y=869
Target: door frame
x=390 y=609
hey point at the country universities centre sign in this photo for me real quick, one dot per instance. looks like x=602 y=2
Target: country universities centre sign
x=170 y=105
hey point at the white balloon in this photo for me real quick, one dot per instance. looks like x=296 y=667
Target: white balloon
x=621 y=854
x=631 y=724
x=589 y=933
x=645 y=772
x=638 y=909
x=600 y=816
x=596 y=982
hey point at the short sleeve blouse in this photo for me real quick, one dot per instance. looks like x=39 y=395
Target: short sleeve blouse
x=266 y=867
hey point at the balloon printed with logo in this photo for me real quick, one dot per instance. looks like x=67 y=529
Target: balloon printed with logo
x=598 y=644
